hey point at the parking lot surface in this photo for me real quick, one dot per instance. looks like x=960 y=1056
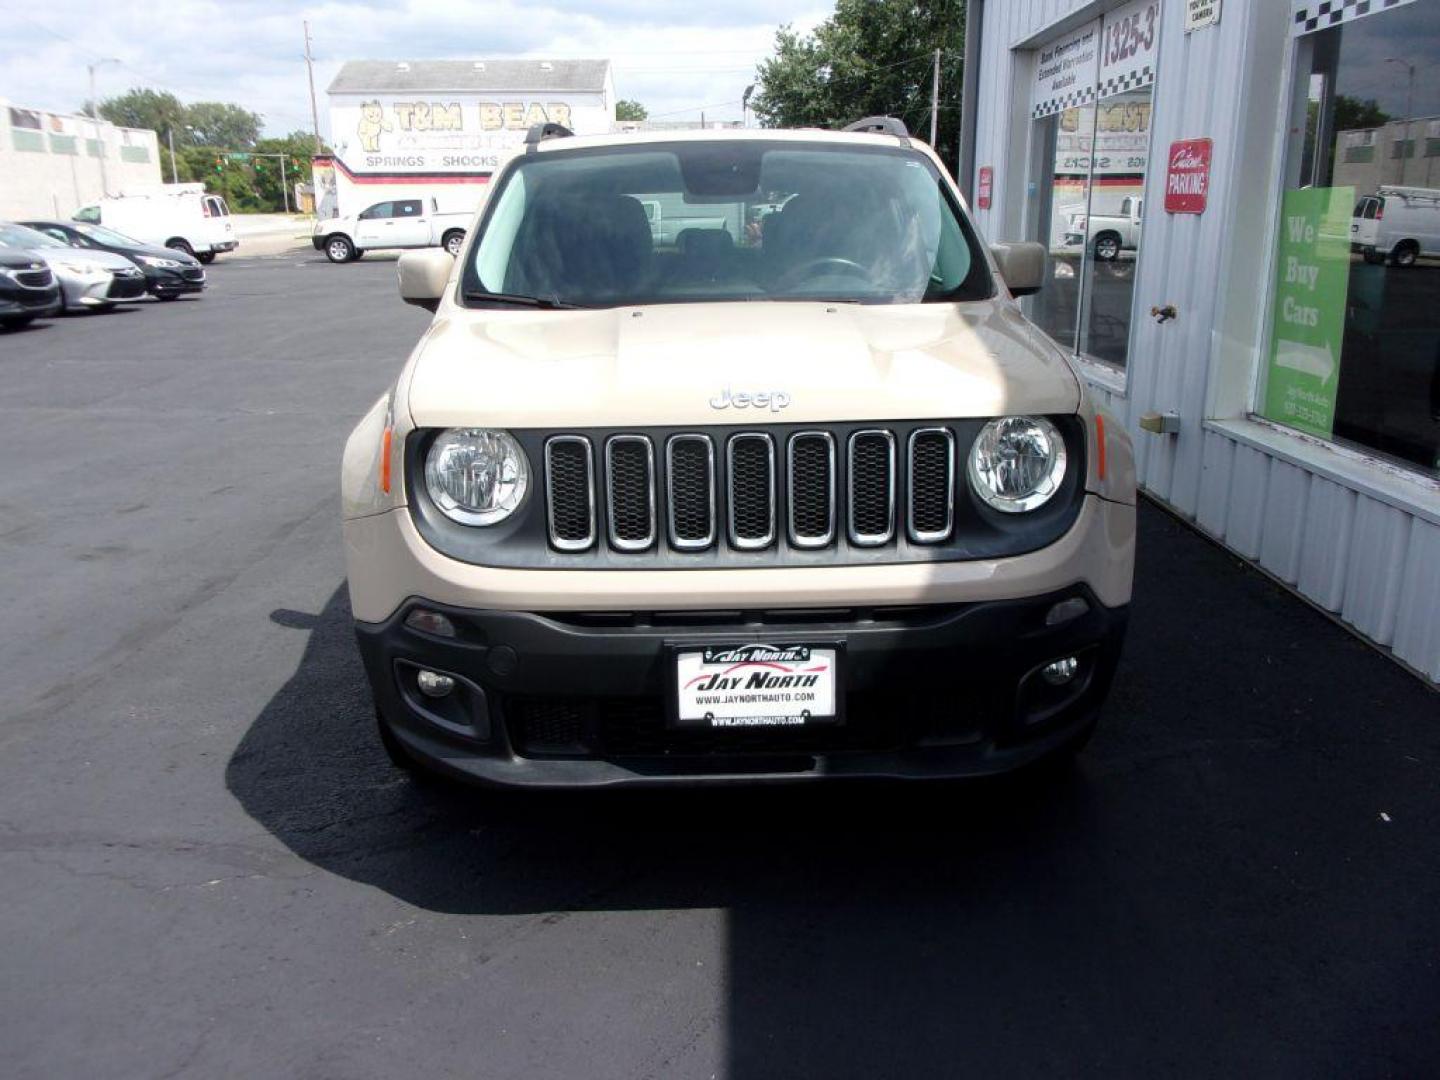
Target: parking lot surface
x=208 y=868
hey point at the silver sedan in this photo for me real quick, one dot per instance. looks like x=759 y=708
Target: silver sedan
x=97 y=280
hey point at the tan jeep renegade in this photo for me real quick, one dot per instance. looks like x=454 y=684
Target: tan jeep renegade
x=730 y=456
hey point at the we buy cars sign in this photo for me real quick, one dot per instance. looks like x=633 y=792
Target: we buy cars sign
x=1187 y=176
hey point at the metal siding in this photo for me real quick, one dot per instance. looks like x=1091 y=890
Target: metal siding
x=1372 y=579
x=1376 y=565
x=1417 y=627
x=1325 y=550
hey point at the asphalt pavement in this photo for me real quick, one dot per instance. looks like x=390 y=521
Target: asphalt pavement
x=208 y=868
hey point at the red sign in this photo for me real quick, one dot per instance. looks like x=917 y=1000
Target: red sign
x=1187 y=179
x=982 y=189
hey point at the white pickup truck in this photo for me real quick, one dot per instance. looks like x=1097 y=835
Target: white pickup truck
x=1110 y=233
x=395 y=223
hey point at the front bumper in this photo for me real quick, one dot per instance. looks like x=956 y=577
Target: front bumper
x=29 y=303
x=580 y=699
x=162 y=282
x=128 y=287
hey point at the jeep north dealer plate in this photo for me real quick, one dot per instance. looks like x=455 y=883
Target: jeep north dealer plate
x=756 y=686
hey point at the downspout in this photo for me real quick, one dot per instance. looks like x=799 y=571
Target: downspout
x=970 y=83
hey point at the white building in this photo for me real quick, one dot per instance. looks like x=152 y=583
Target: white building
x=442 y=127
x=1283 y=394
x=53 y=163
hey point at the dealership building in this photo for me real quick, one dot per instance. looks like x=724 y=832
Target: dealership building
x=442 y=127
x=53 y=163
x=1195 y=168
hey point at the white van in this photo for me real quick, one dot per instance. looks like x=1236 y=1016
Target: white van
x=178 y=216
x=1398 y=223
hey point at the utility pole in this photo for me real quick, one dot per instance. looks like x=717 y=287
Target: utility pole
x=310 y=70
x=935 y=100
x=745 y=106
x=95 y=115
x=1409 y=107
x=284 y=184
x=174 y=170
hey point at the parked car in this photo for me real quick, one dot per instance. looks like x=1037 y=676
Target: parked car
x=1109 y=233
x=182 y=217
x=95 y=280
x=1398 y=223
x=395 y=223
x=831 y=509
x=168 y=273
x=28 y=290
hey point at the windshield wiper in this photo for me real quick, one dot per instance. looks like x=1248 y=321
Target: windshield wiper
x=550 y=303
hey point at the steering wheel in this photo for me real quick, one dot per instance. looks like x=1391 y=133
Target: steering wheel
x=833 y=263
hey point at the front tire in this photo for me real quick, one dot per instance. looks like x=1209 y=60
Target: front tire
x=339 y=249
x=1107 y=247
x=454 y=241
x=179 y=243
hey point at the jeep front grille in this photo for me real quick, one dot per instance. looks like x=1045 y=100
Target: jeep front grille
x=694 y=491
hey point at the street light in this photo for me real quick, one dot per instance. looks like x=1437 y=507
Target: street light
x=745 y=105
x=95 y=115
x=1409 y=105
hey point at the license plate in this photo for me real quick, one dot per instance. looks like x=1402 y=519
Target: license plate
x=756 y=686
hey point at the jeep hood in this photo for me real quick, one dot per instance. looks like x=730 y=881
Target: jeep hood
x=664 y=365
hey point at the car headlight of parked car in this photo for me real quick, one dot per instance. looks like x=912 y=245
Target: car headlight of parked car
x=161 y=263
x=1017 y=463
x=476 y=476
x=85 y=268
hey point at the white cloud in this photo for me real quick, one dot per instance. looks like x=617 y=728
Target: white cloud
x=673 y=56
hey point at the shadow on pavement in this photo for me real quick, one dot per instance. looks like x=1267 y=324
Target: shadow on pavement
x=1215 y=888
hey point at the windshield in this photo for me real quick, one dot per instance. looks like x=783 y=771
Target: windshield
x=18 y=236
x=106 y=236
x=737 y=220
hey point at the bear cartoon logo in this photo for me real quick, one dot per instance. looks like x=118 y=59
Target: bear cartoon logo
x=372 y=122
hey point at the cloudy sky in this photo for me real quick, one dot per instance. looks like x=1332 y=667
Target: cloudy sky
x=675 y=56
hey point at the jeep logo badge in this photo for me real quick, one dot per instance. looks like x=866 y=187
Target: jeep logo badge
x=774 y=400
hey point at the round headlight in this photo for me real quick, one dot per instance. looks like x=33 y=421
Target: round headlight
x=476 y=476
x=1017 y=463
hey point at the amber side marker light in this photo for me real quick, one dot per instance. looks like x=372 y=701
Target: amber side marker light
x=1099 y=443
x=385 y=462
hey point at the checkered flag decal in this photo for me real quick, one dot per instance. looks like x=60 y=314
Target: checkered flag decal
x=1311 y=15
x=1071 y=99
x=1130 y=80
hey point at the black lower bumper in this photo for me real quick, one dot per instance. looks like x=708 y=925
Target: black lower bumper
x=169 y=284
x=580 y=700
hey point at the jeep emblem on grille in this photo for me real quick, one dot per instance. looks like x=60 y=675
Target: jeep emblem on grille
x=774 y=400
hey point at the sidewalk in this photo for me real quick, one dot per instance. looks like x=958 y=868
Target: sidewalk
x=271 y=234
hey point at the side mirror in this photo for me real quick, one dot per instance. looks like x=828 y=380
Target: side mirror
x=1021 y=264
x=423 y=276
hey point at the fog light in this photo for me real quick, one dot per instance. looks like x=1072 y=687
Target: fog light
x=1057 y=672
x=433 y=684
x=1066 y=610
x=431 y=622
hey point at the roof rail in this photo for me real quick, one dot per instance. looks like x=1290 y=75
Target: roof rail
x=539 y=133
x=880 y=125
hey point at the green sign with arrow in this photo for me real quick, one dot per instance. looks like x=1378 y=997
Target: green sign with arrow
x=1312 y=276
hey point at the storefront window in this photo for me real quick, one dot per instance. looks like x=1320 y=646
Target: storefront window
x=1355 y=329
x=1091 y=140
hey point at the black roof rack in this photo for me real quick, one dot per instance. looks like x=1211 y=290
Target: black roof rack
x=538 y=133
x=880 y=125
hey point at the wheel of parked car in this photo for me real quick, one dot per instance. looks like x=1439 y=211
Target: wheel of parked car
x=206 y=257
x=339 y=249
x=1107 y=247
x=1405 y=253
x=178 y=243
x=454 y=241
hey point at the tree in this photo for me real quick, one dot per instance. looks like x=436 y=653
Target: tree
x=218 y=123
x=871 y=57
x=626 y=109
x=154 y=109
x=1353 y=114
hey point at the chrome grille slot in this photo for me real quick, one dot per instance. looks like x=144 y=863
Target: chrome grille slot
x=871 y=494
x=690 y=491
x=630 y=492
x=750 y=476
x=930 y=481
x=570 y=492
x=810 y=489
